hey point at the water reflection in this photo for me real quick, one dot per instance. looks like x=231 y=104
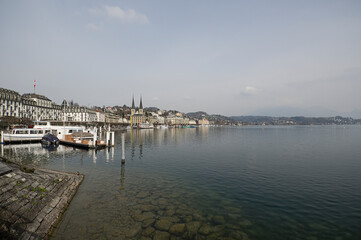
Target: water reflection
x=212 y=183
x=122 y=173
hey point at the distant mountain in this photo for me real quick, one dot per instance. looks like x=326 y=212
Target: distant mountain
x=213 y=117
x=287 y=111
x=151 y=109
x=197 y=115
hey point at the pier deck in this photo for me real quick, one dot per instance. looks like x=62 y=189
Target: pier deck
x=32 y=201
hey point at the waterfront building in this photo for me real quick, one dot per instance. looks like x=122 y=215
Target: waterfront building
x=137 y=114
x=203 y=121
x=112 y=118
x=39 y=107
x=73 y=113
x=10 y=103
x=30 y=106
x=176 y=120
x=192 y=122
x=100 y=116
x=154 y=118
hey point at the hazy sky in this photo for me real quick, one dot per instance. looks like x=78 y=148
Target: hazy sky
x=226 y=57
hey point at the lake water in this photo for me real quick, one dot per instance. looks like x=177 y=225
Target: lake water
x=297 y=182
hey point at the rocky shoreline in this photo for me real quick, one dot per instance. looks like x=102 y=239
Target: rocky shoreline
x=32 y=200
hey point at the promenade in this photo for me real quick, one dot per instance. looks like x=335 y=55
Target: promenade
x=32 y=201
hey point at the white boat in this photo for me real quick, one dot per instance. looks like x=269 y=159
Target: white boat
x=162 y=127
x=143 y=126
x=24 y=135
x=77 y=136
x=59 y=131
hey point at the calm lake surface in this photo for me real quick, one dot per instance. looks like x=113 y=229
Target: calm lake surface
x=297 y=182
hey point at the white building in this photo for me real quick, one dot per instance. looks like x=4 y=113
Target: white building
x=77 y=114
x=43 y=109
x=10 y=103
x=175 y=120
x=100 y=117
x=30 y=106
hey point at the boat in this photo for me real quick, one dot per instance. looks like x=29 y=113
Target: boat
x=67 y=135
x=23 y=135
x=83 y=140
x=49 y=139
x=144 y=126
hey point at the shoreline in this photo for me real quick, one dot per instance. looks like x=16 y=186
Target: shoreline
x=33 y=200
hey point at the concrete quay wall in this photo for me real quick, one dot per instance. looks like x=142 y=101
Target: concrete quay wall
x=32 y=201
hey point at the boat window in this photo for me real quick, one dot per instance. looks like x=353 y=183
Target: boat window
x=41 y=131
x=70 y=131
x=47 y=131
x=33 y=132
x=21 y=131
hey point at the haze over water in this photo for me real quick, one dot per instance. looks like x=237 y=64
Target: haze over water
x=298 y=182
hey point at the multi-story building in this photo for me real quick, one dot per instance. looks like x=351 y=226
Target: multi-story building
x=39 y=107
x=100 y=116
x=77 y=114
x=156 y=119
x=30 y=106
x=112 y=118
x=29 y=109
x=175 y=120
x=10 y=103
x=203 y=121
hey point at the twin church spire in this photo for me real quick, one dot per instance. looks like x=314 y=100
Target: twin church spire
x=133 y=109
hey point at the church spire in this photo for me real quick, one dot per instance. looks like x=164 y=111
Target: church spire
x=133 y=106
x=141 y=102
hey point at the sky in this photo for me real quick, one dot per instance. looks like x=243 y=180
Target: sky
x=222 y=57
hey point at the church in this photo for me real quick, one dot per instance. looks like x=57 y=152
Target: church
x=137 y=114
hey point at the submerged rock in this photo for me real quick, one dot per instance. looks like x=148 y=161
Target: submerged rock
x=162 y=201
x=169 y=213
x=177 y=229
x=205 y=230
x=147 y=222
x=148 y=231
x=219 y=219
x=192 y=228
x=163 y=224
x=133 y=231
x=245 y=223
x=187 y=218
x=159 y=235
x=142 y=194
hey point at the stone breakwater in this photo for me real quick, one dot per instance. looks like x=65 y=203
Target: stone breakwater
x=32 y=201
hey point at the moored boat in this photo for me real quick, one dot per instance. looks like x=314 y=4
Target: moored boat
x=22 y=135
x=49 y=139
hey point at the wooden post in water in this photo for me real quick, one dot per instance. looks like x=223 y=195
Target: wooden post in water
x=107 y=139
x=123 y=148
x=113 y=136
x=2 y=149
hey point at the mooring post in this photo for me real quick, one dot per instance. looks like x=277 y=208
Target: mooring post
x=2 y=150
x=107 y=139
x=95 y=137
x=123 y=148
x=113 y=139
x=2 y=137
